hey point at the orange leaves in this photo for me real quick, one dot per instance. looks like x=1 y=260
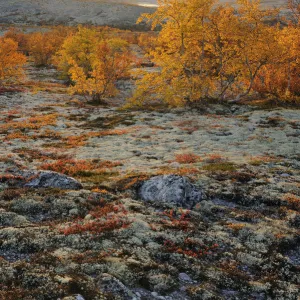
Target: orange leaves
x=214 y=52
x=187 y=158
x=292 y=200
x=42 y=46
x=177 y=220
x=236 y=227
x=191 y=248
x=35 y=122
x=11 y=62
x=81 y=140
x=74 y=167
x=18 y=36
x=76 y=141
x=68 y=166
x=281 y=79
x=109 y=62
x=16 y=135
x=93 y=62
x=105 y=219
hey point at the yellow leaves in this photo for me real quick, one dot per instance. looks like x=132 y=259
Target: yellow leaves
x=43 y=46
x=11 y=61
x=78 y=47
x=94 y=66
x=214 y=52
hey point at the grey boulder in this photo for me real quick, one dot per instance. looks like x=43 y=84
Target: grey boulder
x=50 y=179
x=170 y=189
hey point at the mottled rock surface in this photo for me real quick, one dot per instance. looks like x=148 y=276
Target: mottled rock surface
x=49 y=179
x=170 y=189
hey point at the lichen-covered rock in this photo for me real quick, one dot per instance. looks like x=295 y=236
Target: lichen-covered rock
x=74 y=297
x=49 y=179
x=12 y=219
x=112 y=285
x=170 y=189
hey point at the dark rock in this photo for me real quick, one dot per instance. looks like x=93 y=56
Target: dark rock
x=137 y=153
x=50 y=179
x=147 y=64
x=295 y=221
x=170 y=189
x=110 y=284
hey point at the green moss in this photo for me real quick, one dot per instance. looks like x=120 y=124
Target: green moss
x=111 y=122
x=256 y=162
x=78 y=117
x=91 y=177
x=222 y=166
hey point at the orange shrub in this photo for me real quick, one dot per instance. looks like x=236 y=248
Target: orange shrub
x=42 y=46
x=11 y=62
x=108 y=218
x=74 y=167
x=190 y=248
x=187 y=158
x=273 y=80
x=147 y=41
x=18 y=36
x=292 y=200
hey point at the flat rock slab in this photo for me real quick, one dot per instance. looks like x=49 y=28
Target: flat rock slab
x=170 y=189
x=49 y=179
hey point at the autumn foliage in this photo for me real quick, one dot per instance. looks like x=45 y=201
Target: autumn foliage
x=43 y=45
x=104 y=219
x=202 y=52
x=94 y=63
x=11 y=62
x=208 y=51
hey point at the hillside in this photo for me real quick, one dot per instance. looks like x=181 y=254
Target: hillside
x=117 y=13
x=70 y=12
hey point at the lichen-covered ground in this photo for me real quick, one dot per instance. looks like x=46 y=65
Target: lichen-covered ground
x=240 y=242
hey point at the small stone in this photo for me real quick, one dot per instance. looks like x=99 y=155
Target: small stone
x=73 y=212
x=88 y=217
x=137 y=153
x=184 y=277
x=285 y=175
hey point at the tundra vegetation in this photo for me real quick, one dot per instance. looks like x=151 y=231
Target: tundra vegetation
x=204 y=51
x=161 y=164
x=217 y=52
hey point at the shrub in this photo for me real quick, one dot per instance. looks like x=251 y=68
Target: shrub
x=208 y=52
x=11 y=62
x=106 y=219
x=42 y=46
x=187 y=158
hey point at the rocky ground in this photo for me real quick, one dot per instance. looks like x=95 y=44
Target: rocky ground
x=226 y=227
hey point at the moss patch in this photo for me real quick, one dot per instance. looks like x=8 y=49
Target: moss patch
x=111 y=122
x=222 y=166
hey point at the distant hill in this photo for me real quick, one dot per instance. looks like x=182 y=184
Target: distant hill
x=118 y=13
x=70 y=12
